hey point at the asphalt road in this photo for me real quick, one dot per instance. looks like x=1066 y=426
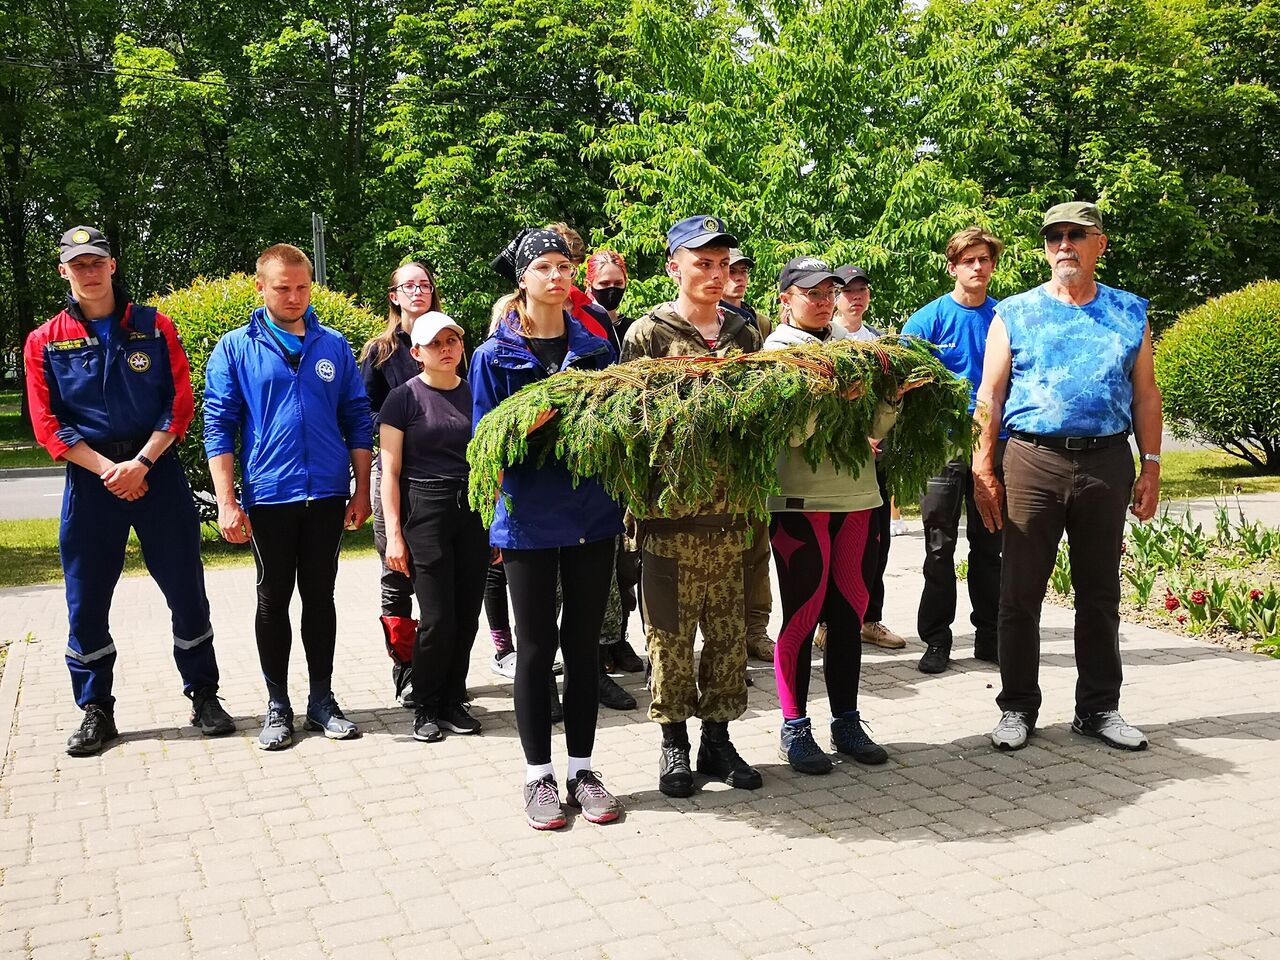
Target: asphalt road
x=27 y=498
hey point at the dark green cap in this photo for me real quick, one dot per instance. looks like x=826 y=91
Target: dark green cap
x=1077 y=211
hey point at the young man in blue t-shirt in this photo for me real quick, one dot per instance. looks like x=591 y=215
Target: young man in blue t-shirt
x=957 y=324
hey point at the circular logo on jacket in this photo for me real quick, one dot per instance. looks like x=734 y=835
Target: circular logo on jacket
x=325 y=370
x=139 y=362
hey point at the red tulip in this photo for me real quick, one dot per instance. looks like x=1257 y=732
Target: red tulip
x=1198 y=598
x=1255 y=594
x=1182 y=618
x=1171 y=602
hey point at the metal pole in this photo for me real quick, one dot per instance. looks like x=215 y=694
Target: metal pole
x=317 y=248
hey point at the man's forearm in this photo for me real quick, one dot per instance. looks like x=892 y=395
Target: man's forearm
x=222 y=470
x=987 y=414
x=83 y=455
x=1148 y=425
x=361 y=462
x=157 y=444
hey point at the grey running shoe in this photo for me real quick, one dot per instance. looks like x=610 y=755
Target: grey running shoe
x=277 y=731
x=426 y=728
x=328 y=716
x=542 y=804
x=1012 y=731
x=207 y=713
x=1109 y=727
x=97 y=729
x=587 y=793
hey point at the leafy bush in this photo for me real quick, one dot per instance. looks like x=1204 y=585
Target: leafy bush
x=206 y=310
x=1218 y=368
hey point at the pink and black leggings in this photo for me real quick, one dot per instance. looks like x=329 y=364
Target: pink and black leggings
x=819 y=559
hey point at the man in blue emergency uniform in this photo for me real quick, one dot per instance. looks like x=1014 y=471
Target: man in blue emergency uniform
x=110 y=393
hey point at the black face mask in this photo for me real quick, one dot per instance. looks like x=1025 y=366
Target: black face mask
x=608 y=297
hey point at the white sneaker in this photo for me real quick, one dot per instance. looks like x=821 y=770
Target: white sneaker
x=1109 y=727
x=897 y=528
x=1012 y=731
x=504 y=666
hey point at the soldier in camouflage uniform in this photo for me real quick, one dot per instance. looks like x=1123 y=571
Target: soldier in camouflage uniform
x=692 y=560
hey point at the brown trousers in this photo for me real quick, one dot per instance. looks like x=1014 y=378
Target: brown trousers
x=1085 y=494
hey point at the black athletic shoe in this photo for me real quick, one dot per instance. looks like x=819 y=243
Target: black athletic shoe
x=557 y=711
x=208 y=715
x=935 y=658
x=718 y=759
x=987 y=651
x=613 y=696
x=97 y=729
x=426 y=728
x=625 y=658
x=848 y=737
x=458 y=719
x=675 y=778
x=799 y=749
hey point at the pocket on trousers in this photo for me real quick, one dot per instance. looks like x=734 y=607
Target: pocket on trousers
x=660 y=592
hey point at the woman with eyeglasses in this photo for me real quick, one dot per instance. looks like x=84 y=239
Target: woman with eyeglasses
x=818 y=531
x=386 y=362
x=553 y=531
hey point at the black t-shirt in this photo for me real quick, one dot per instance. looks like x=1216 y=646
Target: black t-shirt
x=437 y=428
x=550 y=351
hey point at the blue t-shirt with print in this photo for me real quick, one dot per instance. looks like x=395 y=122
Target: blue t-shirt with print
x=1072 y=371
x=959 y=336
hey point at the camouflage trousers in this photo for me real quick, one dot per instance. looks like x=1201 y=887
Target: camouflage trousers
x=690 y=577
x=756 y=586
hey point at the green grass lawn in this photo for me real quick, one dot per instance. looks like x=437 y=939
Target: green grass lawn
x=11 y=459
x=1186 y=474
x=29 y=551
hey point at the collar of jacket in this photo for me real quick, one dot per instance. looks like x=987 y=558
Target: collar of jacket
x=731 y=322
x=122 y=305
x=510 y=349
x=258 y=326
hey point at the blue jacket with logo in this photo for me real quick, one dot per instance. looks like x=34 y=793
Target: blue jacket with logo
x=296 y=428
x=547 y=510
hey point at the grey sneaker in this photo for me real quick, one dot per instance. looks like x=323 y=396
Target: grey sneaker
x=328 y=716
x=426 y=728
x=542 y=804
x=1109 y=727
x=277 y=731
x=587 y=793
x=1012 y=731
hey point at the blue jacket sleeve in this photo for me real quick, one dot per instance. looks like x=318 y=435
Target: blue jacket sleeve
x=354 y=418
x=223 y=402
x=484 y=393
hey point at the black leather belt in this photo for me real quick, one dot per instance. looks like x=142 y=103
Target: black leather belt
x=1074 y=444
x=120 y=450
x=438 y=484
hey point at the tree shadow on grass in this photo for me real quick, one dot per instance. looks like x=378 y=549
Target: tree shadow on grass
x=965 y=790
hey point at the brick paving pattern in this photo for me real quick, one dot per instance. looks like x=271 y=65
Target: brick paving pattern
x=172 y=846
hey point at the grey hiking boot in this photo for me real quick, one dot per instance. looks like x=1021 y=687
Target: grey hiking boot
x=328 y=716
x=277 y=730
x=1012 y=731
x=1109 y=727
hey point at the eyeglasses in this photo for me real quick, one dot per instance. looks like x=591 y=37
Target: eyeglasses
x=1075 y=235
x=413 y=286
x=545 y=271
x=816 y=295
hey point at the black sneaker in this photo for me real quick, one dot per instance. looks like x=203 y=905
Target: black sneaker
x=848 y=737
x=458 y=719
x=625 y=658
x=542 y=804
x=97 y=729
x=426 y=727
x=675 y=777
x=718 y=759
x=935 y=658
x=988 y=651
x=613 y=696
x=208 y=715
x=799 y=749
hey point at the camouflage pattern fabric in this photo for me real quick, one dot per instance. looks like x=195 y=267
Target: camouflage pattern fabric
x=692 y=579
x=756 y=585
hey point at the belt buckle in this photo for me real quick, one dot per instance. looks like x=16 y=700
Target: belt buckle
x=1076 y=443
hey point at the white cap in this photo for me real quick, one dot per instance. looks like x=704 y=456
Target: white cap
x=428 y=326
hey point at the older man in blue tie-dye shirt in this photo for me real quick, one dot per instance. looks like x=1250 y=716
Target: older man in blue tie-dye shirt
x=1069 y=374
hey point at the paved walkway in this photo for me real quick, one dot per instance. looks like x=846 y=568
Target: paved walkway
x=172 y=846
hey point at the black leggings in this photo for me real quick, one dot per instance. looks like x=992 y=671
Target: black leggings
x=297 y=542
x=584 y=572
x=875 y=560
x=495 y=598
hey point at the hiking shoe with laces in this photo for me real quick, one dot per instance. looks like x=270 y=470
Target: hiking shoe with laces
x=96 y=730
x=426 y=728
x=675 y=776
x=277 y=730
x=1012 y=731
x=587 y=793
x=328 y=717
x=849 y=737
x=458 y=719
x=207 y=713
x=799 y=749
x=719 y=760
x=542 y=804
x=760 y=648
x=881 y=636
x=504 y=665
x=935 y=658
x=1109 y=727
x=612 y=695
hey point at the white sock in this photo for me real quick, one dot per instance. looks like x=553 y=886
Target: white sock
x=536 y=771
x=577 y=765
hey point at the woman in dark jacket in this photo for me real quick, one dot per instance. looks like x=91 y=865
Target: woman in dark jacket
x=552 y=532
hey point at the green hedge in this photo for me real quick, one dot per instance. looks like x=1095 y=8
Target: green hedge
x=206 y=310
x=1218 y=368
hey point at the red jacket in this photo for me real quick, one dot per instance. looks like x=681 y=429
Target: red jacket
x=79 y=389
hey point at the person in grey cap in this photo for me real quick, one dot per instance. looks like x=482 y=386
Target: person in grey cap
x=1068 y=372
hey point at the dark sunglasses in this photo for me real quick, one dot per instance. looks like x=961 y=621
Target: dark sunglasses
x=1075 y=235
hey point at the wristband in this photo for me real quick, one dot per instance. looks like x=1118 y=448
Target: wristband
x=146 y=461
x=1151 y=458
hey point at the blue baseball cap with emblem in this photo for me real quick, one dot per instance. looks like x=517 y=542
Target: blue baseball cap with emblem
x=699 y=231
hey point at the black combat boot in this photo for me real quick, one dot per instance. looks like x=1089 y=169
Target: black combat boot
x=675 y=779
x=718 y=759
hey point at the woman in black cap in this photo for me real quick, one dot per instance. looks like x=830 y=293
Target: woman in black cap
x=553 y=531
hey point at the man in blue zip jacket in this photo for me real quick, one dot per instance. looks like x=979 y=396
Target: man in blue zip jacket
x=290 y=390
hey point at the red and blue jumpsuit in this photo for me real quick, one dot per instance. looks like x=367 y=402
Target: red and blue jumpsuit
x=113 y=394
